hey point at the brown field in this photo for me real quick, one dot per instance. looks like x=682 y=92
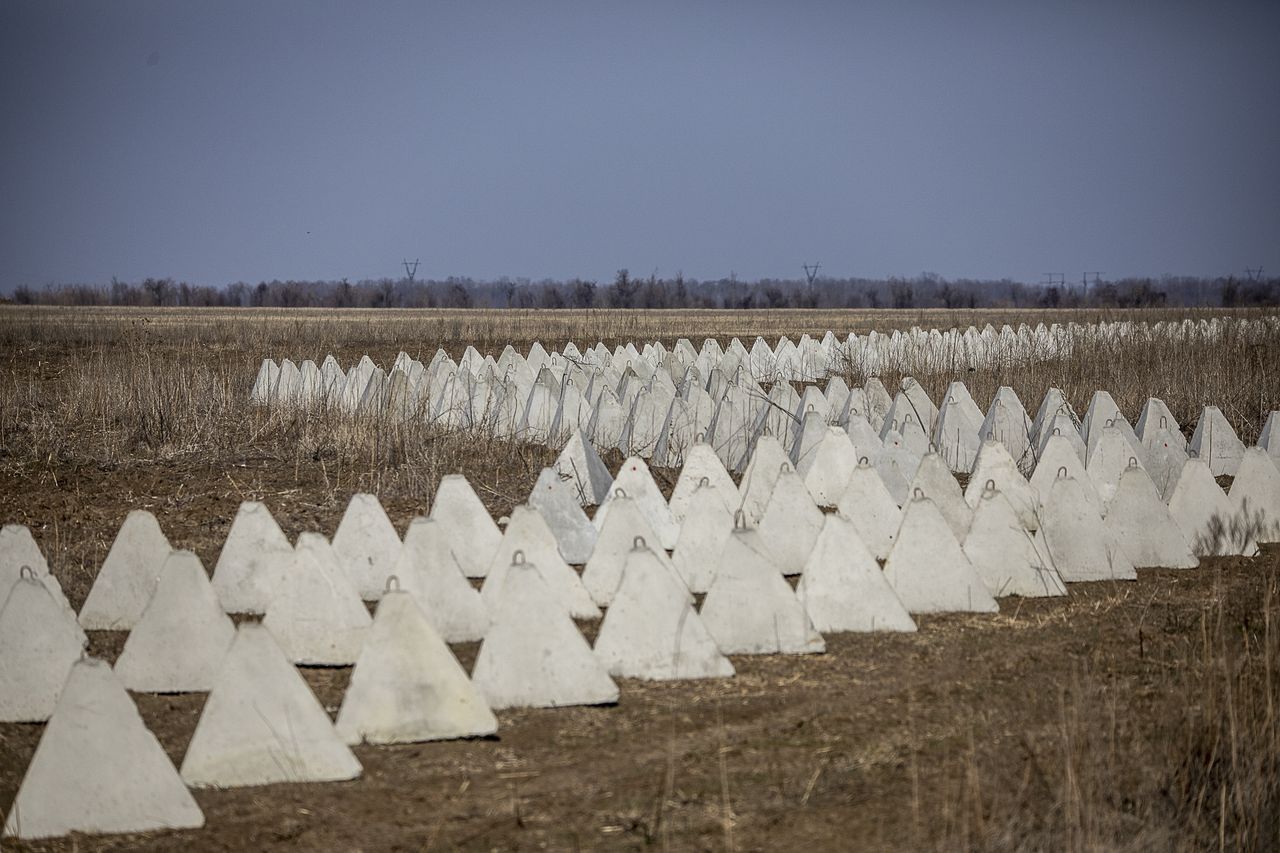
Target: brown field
x=1127 y=716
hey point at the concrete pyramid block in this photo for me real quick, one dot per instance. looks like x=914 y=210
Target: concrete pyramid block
x=473 y=535
x=837 y=394
x=652 y=631
x=833 y=464
x=702 y=536
x=128 y=576
x=1205 y=515
x=1054 y=404
x=1007 y=423
x=809 y=435
x=1005 y=554
x=1110 y=455
x=927 y=568
x=750 y=609
x=429 y=571
x=791 y=522
x=607 y=421
x=762 y=473
x=868 y=506
x=573 y=412
x=813 y=400
x=1062 y=425
x=407 y=686
x=180 y=641
x=534 y=656
x=905 y=423
x=1165 y=457
x=866 y=440
x=933 y=479
x=625 y=525
x=878 y=402
x=97 y=769
x=316 y=615
x=854 y=407
x=1155 y=417
x=960 y=401
x=1269 y=439
x=1105 y=433
x=289 y=384
x=896 y=466
x=1255 y=494
x=1059 y=459
x=366 y=545
x=1082 y=547
x=702 y=469
x=40 y=640
x=644 y=426
x=262 y=724
x=956 y=432
x=253 y=559
x=996 y=464
x=263 y=392
x=1141 y=523
x=553 y=497
x=527 y=533
x=777 y=417
x=843 y=588
x=1102 y=412
x=18 y=550
x=921 y=405
x=635 y=481
x=1216 y=442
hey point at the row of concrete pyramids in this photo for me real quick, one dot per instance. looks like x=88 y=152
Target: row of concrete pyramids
x=367 y=548
x=318 y=625
x=659 y=411
x=805 y=360
x=748 y=607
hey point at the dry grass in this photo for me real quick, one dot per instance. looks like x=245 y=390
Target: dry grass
x=1192 y=762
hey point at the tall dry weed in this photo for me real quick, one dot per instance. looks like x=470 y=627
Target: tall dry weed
x=1200 y=773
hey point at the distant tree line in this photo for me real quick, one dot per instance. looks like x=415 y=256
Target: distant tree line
x=927 y=290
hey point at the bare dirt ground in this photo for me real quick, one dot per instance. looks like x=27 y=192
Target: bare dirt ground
x=1130 y=716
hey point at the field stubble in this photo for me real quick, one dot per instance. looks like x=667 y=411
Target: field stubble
x=1130 y=716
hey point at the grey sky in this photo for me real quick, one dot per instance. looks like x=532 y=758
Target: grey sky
x=220 y=141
